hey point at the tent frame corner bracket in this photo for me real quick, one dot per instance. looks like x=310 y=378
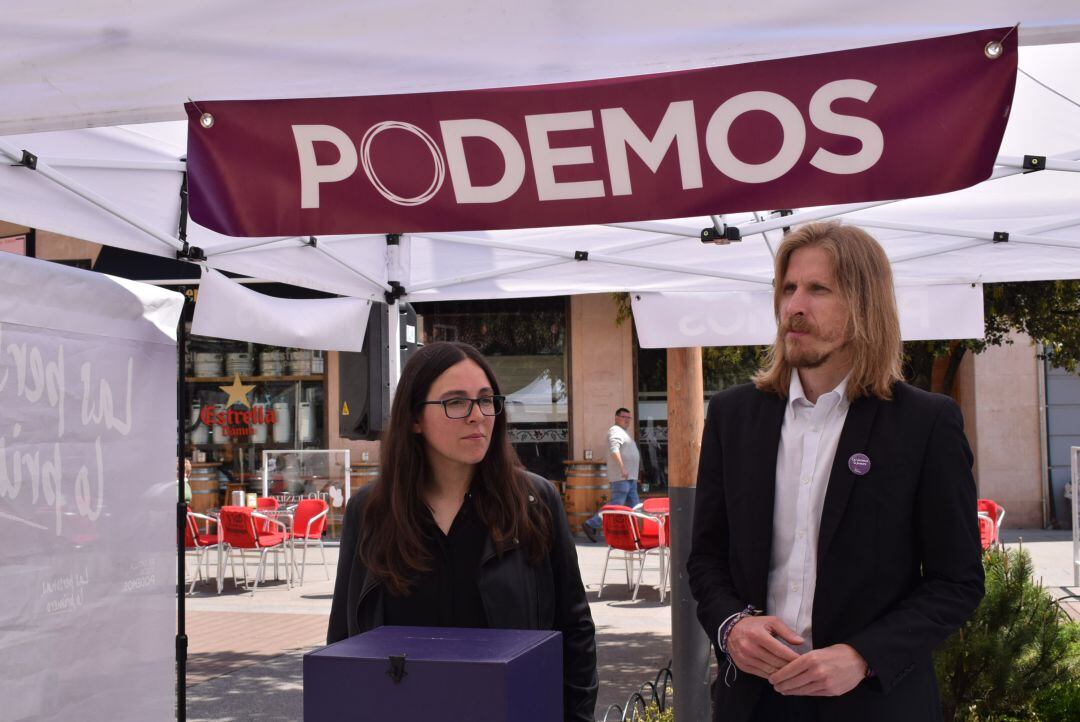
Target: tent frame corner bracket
x=1034 y=162
x=396 y=291
x=190 y=253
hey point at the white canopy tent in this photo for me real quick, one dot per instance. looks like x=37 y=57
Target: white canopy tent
x=78 y=75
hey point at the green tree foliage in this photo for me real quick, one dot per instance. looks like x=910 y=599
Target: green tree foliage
x=724 y=366
x=721 y=367
x=1047 y=311
x=623 y=310
x=1017 y=645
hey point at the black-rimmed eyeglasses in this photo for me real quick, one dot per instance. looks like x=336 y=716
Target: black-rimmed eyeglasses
x=460 y=407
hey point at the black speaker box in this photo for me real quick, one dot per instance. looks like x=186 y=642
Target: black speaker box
x=364 y=380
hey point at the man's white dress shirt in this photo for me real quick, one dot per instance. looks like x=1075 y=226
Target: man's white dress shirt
x=808 y=439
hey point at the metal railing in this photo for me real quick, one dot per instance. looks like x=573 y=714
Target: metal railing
x=636 y=706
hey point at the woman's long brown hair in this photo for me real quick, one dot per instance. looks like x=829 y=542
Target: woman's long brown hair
x=393 y=537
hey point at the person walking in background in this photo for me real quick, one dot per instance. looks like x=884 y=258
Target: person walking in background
x=623 y=462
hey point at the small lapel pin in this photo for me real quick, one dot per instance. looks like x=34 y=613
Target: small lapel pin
x=859 y=464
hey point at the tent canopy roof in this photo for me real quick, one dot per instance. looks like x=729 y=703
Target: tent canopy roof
x=940 y=239
x=78 y=63
x=70 y=65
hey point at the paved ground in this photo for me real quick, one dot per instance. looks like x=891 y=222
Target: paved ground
x=245 y=651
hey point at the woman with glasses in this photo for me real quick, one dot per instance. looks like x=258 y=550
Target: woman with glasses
x=456 y=533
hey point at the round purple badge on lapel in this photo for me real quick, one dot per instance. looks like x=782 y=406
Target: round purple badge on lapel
x=859 y=464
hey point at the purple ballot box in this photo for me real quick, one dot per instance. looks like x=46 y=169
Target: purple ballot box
x=402 y=674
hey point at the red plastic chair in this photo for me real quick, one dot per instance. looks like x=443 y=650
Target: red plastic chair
x=991 y=517
x=660 y=507
x=239 y=532
x=200 y=542
x=656 y=505
x=309 y=521
x=268 y=503
x=650 y=530
x=986 y=531
x=623 y=537
x=634 y=534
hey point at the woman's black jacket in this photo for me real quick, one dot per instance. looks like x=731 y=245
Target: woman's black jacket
x=516 y=595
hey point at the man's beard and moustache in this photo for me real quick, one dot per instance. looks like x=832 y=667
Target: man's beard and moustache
x=800 y=357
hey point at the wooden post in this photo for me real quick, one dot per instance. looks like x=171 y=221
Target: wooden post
x=686 y=415
x=686 y=420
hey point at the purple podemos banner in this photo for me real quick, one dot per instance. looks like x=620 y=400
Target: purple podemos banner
x=892 y=121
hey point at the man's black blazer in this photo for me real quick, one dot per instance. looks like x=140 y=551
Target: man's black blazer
x=899 y=559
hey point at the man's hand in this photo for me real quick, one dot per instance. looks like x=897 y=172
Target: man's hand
x=753 y=647
x=824 y=672
x=618 y=460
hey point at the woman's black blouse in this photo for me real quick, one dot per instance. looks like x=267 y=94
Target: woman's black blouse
x=449 y=594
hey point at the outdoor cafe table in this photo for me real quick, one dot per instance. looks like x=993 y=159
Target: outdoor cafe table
x=283 y=515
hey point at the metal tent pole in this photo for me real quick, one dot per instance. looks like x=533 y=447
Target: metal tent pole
x=181 y=510
x=188 y=253
x=690 y=647
x=393 y=311
x=393 y=346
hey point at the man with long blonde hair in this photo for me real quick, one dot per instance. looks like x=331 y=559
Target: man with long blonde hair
x=835 y=540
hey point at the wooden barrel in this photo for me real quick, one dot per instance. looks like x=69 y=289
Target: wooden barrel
x=585 y=490
x=204 y=486
x=363 y=474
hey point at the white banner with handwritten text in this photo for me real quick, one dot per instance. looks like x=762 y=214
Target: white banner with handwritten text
x=87 y=495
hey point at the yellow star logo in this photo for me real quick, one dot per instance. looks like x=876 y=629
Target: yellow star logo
x=237 y=392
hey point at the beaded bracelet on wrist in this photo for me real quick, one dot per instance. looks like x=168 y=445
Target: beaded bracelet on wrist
x=748 y=612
